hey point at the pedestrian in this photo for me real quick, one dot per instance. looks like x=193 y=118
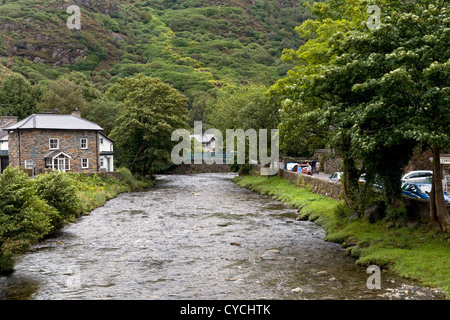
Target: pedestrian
x=313 y=166
x=309 y=169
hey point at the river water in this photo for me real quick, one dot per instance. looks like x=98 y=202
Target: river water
x=195 y=237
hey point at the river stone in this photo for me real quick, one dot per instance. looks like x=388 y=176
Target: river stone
x=297 y=290
x=322 y=273
x=374 y=213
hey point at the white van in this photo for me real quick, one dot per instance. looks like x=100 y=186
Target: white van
x=419 y=176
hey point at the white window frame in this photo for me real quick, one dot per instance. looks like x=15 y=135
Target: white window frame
x=50 y=143
x=87 y=163
x=86 y=143
x=28 y=164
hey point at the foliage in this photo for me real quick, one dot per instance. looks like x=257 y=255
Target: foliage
x=64 y=95
x=24 y=217
x=59 y=191
x=150 y=111
x=18 y=96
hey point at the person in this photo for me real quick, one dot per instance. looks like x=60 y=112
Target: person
x=313 y=166
x=309 y=169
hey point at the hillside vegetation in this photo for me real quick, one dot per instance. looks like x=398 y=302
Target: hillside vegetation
x=197 y=46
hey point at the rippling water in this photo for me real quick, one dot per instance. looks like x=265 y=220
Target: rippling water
x=194 y=237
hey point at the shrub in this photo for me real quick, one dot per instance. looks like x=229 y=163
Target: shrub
x=24 y=217
x=59 y=190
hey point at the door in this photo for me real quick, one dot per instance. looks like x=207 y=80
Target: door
x=62 y=165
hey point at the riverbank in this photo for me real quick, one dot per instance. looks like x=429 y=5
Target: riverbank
x=33 y=209
x=416 y=252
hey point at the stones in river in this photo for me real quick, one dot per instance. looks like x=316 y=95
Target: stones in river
x=270 y=254
x=223 y=224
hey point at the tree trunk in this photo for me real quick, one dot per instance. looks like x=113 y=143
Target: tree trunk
x=438 y=209
x=141 y=148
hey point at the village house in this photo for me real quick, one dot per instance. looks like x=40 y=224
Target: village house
x=63 y=142
x=208 y=141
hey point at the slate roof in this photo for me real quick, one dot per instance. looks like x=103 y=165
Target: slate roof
x=54 y=121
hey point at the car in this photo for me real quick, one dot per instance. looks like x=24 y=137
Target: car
x=420 y=190
x=336 y=176
x=291 y=165
x=418 y=176
x=376 y=184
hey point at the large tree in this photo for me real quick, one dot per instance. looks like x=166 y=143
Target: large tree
x=390 y=86
x=18 y=96
x=150 y=110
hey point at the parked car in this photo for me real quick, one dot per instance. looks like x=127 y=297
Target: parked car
x=290 y=165
x=376 y=184
x=336 y=176
x=418 y=176
x=420 y=190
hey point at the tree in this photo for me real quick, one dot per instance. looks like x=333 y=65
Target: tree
x=405 y=90
x=18 y=96
x=390 y=88
x=104 y=112
x=150 y=110
x=245 y=108
x=304 y=118
x=64 y=95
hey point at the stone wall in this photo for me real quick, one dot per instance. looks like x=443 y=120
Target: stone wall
x=327 y=188
x=21 y=142
x=418 y=209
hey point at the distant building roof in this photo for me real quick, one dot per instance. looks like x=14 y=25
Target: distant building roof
x=203 y=138
x=54 y=121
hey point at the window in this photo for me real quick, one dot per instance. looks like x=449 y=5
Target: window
x=54 y=143
x=84 y=163
x=101 y=140
x=84 y=143
x=48 y=163
x=101 y=162
x=28 y=164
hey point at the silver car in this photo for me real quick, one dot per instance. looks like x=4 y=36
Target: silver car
x=419 y=176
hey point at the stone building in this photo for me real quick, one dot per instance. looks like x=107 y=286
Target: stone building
x=62 y=142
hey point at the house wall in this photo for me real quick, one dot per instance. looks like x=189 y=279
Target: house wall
x=21 y=141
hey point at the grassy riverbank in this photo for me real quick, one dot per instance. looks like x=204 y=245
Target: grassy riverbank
x=33 y=209
x=416 y=252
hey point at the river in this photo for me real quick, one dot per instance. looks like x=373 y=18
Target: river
x=195 y=237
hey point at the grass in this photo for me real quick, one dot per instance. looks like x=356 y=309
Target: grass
x=418 y=253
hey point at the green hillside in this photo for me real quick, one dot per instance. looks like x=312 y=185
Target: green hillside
x=197 y=46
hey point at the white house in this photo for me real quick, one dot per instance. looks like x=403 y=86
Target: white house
x=106 y=153
x=4 y=122
x=208 y=141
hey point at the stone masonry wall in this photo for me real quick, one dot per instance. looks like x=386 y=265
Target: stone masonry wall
x=327 y=188
x=69 y=143
x=418 y=209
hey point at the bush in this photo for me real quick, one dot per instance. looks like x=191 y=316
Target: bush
x=24 y=217
x=59 y=190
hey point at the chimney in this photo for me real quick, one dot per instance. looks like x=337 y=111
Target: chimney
x=76 y=113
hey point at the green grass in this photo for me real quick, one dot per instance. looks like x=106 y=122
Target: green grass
x=418 y=253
